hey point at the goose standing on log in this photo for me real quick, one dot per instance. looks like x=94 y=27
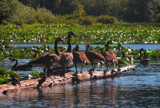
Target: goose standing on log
x=110 y=56
x=48 y=60
x=79 y=58
x=144 y=61
x=23 y=67
x=93 y=56
x=66 y=58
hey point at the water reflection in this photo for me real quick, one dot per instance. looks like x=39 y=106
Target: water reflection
x=135 y=88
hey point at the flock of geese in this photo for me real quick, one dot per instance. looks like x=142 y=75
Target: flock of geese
x=65 y=60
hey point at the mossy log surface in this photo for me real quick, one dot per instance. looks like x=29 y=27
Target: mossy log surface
x=68 y=78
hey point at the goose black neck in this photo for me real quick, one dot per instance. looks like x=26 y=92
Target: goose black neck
x=77 y=48
x=102 y=51
x=69 y=44
x=87 y=48
x=141 y=52
x=35 y=53
x=107 y=46
x=55 y=48
x=144 y=54
x=123 y=54
x=15 y=64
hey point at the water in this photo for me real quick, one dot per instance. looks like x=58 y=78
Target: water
x=6 y=64
x=139 y=88
x=82 y=47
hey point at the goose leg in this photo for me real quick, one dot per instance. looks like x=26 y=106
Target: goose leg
x=76 y=70
x=64 y=70
x=48 y=71
x=107 y=66
x=44 y=70
x=81 y=69
x=92 y=65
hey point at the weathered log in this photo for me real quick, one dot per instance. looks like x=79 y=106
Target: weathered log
x=68 y=78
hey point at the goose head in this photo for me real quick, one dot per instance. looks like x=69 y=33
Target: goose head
x=140 y=51
x=59 y=39
x=88 y=46
x=12 y=59
x=108 y=42
x=71 y=34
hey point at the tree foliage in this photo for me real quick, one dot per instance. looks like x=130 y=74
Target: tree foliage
x=7 y=8
x=79 y=12
x=126 y=10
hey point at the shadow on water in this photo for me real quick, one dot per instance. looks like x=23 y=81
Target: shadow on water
x=122 y=91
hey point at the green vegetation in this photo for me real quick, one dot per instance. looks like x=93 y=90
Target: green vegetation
x=157 y=19
x=5 y=76
x=21 y=12
x=94 y=21
x=37 y=74
x=96 y=34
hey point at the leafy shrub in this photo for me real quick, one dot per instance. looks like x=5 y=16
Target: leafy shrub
x=157 y=19
x=87 y=20
x=45 y=16
x=7 y=9
x=3 y=80
x=123 y=61
x=79 y=12
x=5 y=22
x=70 y=21
x=3 y=71
x=105 y=19
x=35 y=74
x=69 y=16
x=6 y=76
x=12 y=73
x=28 y=15
x=24 y=14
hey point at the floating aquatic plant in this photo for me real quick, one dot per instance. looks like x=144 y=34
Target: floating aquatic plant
x=5 y=76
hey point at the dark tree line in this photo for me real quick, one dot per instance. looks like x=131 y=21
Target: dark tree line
x=126 y=10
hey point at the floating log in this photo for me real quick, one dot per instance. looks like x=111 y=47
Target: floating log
x=68 y=78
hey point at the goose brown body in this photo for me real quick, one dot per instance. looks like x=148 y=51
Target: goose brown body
x=66 y=58
x=23 y=67
x=110 y=56
x=93 y=56
x=79 y=58
x=48 y=60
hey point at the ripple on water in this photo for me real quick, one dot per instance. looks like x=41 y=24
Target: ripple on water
x=136 y=88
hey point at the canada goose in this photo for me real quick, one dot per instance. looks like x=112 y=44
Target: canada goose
x=23 y=67
x=79 y=58
x=145 y=62
x=110 y=56
x=127 y=57
x=66 y=58
x=48 y=60
x=93 y=56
